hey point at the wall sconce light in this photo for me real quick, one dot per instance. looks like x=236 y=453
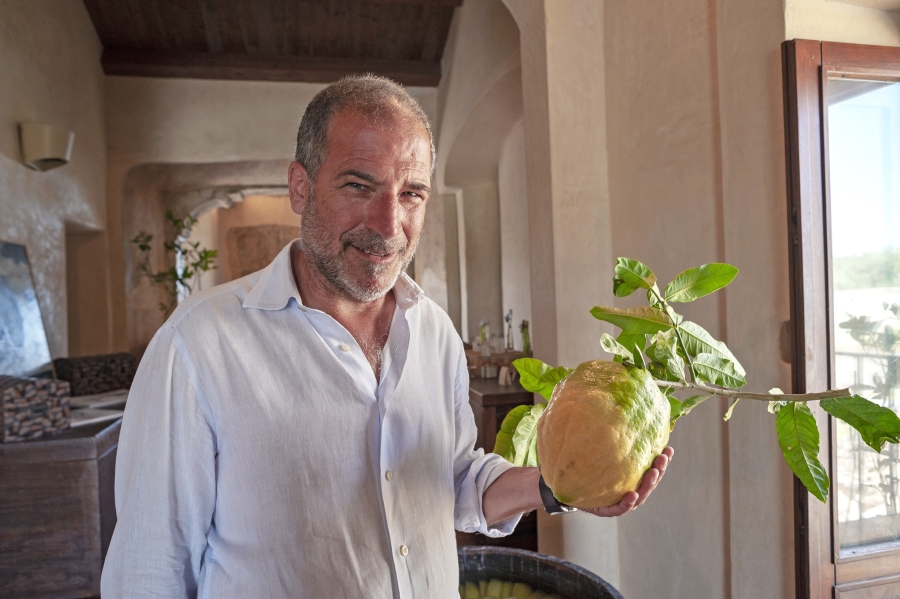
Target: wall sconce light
x=45 y=147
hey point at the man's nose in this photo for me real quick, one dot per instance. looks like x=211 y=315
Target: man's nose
x=385 y=215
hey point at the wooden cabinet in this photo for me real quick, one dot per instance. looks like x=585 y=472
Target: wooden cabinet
x=57 y=512
x=491 y=402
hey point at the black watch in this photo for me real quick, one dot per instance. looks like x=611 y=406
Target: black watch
x=551 y=504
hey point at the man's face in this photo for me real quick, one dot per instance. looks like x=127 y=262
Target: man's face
x=363 y=215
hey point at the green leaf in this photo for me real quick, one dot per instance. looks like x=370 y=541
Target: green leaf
x=877 y=425
x=718 y=371
x=524 y=439
x=798 y=437
x=538 y=377
x=641 y=320
x=730 y=409
x=634 y=343
x=676 y=407
x=697 y=341
x=503 y=446
x=612 y=346
x=663 y=348
x=696 y=282
x=775 y=406
x=631 y=275
x=683 y=408
x=517 y=437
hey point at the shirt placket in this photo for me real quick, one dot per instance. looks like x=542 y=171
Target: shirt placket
x=348 y=352
x=402 y=551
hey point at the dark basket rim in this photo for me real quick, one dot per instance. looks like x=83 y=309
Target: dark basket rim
x=541 y=557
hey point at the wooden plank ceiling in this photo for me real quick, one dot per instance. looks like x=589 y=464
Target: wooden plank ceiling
x=274 y=40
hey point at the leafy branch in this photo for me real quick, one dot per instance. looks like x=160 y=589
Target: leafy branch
x=785 y=397
x=656 y=338
x=188 y=262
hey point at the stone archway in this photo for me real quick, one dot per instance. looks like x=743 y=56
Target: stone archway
x=150 y=190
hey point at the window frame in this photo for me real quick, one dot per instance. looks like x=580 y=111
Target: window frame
x=821 y=572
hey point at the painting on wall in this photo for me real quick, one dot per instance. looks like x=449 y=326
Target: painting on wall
x=23 y=341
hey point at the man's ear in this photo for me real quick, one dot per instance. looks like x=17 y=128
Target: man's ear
x=299 y=187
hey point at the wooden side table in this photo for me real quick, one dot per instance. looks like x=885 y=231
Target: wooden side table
x=491 y=402
x=57 y=512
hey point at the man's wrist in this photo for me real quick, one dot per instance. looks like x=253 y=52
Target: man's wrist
x=551 y=504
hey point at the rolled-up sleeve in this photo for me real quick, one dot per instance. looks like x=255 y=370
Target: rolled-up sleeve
x=474 y=470
x=165 y=480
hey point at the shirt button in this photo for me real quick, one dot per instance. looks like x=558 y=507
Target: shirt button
x=345 y=347
x=404 y=550
x=389 y=475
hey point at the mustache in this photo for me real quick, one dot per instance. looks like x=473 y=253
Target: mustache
x=370 y=241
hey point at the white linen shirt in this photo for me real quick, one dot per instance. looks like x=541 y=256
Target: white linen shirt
x=259 y=457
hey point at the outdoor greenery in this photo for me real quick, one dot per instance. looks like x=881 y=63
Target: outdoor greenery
x=873 y=269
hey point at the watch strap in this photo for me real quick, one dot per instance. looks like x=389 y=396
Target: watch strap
x=551 y=504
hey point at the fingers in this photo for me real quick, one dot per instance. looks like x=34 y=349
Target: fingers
x=654 y=475
x=623 y=507
x=648 y=483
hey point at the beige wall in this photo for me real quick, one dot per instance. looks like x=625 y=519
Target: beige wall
x=479 y=100
x=515 y=247
x=481 y=217
x=50 y=73
x=851 y=21
x=665 y=203
x=568 y=209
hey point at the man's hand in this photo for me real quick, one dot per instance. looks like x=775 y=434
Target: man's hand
x=634 y=499
x=516 y=492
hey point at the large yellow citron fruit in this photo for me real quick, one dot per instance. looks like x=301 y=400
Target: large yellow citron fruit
x=603 y=427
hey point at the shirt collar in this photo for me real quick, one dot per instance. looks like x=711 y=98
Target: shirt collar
x=275 y=286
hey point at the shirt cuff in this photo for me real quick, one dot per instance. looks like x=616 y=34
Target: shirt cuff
x=470 y=513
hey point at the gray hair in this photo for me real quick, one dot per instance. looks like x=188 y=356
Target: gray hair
x=371 y=95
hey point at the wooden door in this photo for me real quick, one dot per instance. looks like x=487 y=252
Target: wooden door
x=842 y=116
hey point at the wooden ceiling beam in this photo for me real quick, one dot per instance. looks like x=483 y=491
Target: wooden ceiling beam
x=426 y=2
x=261 y=67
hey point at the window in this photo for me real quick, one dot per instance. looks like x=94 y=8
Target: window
x=842 y=114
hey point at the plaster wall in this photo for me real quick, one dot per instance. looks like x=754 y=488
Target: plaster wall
x=515 y=247
x=836 y=21
x=481 y=213
x=479 y=99
x=430 y=266
x=569 y=220
x=50 y=73
x=665 y=202
x=760 y=497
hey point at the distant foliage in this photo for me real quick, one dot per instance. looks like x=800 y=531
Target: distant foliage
x=864 y=271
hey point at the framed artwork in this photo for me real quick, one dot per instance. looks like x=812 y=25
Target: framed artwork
x=23 y=341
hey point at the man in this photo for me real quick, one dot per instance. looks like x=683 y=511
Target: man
x=305 y=431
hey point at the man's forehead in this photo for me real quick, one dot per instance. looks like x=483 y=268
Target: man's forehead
x=361 y=133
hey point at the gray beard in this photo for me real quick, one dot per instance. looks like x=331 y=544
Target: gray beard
x=314 y=244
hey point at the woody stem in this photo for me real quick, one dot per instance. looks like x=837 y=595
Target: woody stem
x=836 y=394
